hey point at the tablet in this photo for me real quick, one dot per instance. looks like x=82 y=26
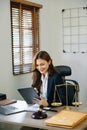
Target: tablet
x=28 y=94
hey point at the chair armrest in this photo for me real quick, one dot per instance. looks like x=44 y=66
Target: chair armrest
x=74 y=82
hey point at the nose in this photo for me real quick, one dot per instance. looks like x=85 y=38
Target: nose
x=39 y=67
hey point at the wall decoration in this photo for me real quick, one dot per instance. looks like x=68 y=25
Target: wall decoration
x=74 y=25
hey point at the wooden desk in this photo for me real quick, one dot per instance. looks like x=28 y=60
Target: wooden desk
x=24 y=119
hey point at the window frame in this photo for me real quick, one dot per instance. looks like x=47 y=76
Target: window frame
x=23 y=68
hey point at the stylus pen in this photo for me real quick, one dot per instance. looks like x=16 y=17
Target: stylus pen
x=52 y=110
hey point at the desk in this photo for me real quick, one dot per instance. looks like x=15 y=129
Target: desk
x=24 y=119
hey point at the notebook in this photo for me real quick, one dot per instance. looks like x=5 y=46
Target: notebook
x=28 y=94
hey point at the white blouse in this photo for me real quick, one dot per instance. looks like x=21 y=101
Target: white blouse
x=44 y=85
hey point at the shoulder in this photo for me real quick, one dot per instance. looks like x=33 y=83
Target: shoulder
x=55 y=75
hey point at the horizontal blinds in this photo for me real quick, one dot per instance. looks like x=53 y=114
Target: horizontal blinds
x=25 y=36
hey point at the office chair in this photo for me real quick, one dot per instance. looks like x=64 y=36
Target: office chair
x=72 y=86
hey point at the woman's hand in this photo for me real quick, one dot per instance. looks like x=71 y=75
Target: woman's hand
x=36 y=90
x=41 y=101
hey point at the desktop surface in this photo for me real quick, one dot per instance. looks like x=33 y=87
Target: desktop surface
x=24 y=119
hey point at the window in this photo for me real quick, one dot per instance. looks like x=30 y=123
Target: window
x=25 y=34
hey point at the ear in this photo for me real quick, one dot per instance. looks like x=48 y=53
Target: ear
x=49 y=62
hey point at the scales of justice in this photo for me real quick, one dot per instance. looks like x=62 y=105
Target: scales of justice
x=75 y=101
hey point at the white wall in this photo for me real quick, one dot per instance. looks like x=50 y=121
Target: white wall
x=51 y=40
x=8 y=82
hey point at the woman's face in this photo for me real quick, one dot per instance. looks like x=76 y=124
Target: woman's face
x=42 y=66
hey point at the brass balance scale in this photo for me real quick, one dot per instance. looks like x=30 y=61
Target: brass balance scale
x=75 y=101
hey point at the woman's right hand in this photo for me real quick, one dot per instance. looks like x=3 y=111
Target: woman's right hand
x=41 y=101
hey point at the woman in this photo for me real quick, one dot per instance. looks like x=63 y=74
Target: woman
x=45 y=77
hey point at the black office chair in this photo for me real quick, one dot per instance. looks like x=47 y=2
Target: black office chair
x=72 y=86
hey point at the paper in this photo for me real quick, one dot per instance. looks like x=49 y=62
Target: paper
x=34 y=107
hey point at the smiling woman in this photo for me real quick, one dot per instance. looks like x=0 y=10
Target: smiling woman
x=45 y=77
x=42 y=66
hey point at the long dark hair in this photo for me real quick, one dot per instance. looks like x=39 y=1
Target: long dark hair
x=36 y=74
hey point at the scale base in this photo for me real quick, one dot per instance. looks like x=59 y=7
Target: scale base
x=67 y=108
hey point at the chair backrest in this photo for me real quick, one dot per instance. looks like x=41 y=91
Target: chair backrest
x=64 y=70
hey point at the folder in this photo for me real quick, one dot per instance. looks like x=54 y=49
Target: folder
x=66 y=119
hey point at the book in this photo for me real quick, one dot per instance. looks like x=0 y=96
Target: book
x=66 y=119
x=7 y=101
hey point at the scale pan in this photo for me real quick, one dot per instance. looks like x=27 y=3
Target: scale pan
x=76 y=103
x=56 y=104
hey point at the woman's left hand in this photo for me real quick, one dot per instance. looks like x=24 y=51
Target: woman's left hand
x=41 y=101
